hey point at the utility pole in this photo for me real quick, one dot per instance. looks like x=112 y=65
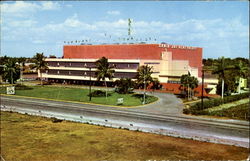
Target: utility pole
x=144 y=95
x=202 y=87
x=21 y=73
x=11 y=76
x=89 y=83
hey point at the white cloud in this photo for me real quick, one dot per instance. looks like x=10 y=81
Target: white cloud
x=187 y=32
x=23 y=8
x=19 y=7
x=48 y=5
x=73 y=21
x=24 y=23
x=113 y=12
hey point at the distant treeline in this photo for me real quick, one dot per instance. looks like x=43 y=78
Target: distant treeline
x=229 y=61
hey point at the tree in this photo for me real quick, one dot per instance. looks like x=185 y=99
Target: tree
x=189 y=82
x=104 y=70
x=220 y=68
x=10 y=71
x=144 y=77
x=40 y=64
x=124 y=85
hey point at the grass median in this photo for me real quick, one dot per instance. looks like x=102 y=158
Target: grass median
x=25 y=137
x=79 y=95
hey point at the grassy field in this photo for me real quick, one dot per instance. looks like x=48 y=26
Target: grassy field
x=77 y=94
x=25 y=137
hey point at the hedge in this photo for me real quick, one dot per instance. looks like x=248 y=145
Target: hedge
x=197 y=108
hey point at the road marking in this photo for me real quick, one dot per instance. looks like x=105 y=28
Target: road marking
x=82 y=102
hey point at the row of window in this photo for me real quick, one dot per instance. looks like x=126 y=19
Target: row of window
x=174 y=82
x=92 y=65
x=87 y=73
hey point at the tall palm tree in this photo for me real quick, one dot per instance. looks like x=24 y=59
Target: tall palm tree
x=220 y=68
x=144 y=73
x=10 y=70
x=104 y=70
x=144 y=77
x=189 y=82
x=40 y=64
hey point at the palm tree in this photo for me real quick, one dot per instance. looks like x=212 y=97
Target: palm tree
x=10 y=70
x=189 y=82
x=144 y=73
x=40 y=64
x=220 y=68
x=104 y=70
x=144 y=77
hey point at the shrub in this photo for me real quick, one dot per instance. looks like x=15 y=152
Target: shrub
x=217 y=101
x=186 y=111
x=98 y=93
x=124 y=86
x=23 y=87
x=197 y=108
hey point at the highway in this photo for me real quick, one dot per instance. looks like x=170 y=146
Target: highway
x=231 y=132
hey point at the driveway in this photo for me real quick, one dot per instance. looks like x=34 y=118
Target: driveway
x=166 y=104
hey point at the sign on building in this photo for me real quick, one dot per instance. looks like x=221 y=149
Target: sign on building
x=10 y=90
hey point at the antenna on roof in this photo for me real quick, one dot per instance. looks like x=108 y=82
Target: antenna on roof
x=129 y=27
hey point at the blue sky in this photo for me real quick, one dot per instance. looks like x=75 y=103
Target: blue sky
x=221 y=28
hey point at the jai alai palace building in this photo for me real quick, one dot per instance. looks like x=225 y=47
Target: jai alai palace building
x=169 y=62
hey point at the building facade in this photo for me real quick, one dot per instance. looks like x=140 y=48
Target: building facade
x=169 y=62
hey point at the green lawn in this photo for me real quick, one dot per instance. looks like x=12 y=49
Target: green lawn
x=78 y=94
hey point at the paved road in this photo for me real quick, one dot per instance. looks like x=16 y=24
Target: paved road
x=234 y=133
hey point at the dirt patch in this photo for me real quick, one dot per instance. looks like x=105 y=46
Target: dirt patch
x=76 y=141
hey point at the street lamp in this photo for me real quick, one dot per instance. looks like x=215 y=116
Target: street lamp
x=89 y=83
x=202 y=87
x=144 y=95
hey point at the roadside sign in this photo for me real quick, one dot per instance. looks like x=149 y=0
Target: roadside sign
x=10 y=90
x=119 y=101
